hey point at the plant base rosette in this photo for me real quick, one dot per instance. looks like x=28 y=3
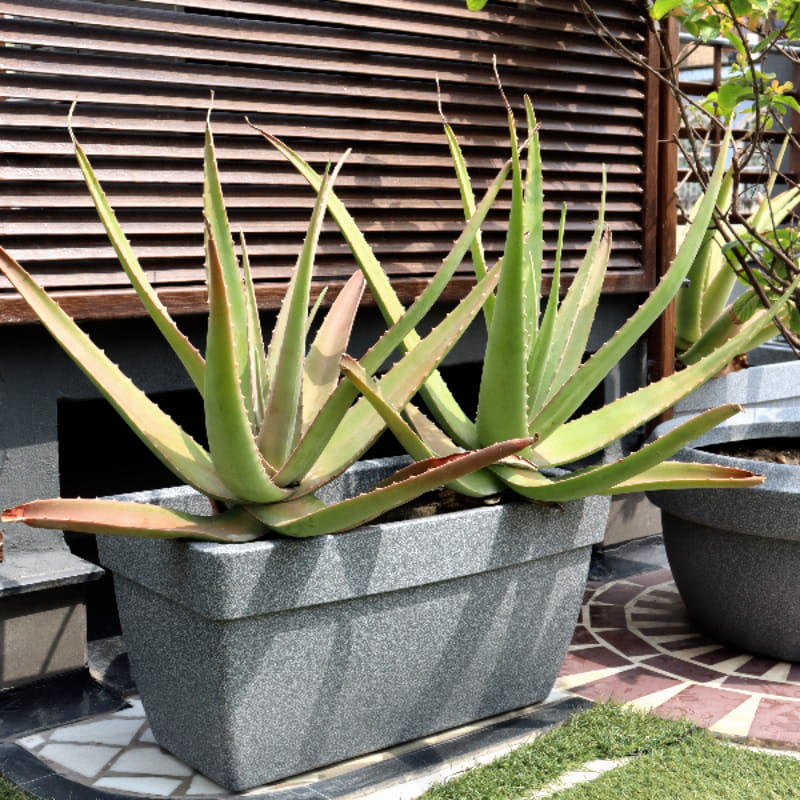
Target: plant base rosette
x=271 y=658
x=735 y=555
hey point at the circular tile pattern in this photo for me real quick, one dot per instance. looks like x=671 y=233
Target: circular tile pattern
x=635 y=644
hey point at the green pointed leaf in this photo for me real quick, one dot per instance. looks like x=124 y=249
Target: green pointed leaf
x=570 y=397
x=185 y=351
x=592 y=432
x=168 y=441
x=503 y=395
x=307 y=517
x=125 y=518
x=362 y=424
x=686 y=475
x=604 y=478
x=257 y=360
x=231 y=437
x=283 y=414
x=423 y=439
x=322 y=371
x=435 y=392
x=216 y=217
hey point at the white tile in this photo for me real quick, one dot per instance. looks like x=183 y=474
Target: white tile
x=85 y=759
x=147 y=736
x=104 y=731
x=136 y=709
x=202 y=785
x=159 y=787
x=150 y=761
x=31 y=742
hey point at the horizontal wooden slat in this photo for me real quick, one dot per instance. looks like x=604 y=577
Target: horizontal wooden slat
x=324 y=75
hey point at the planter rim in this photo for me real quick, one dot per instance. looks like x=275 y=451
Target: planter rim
x=771 y=509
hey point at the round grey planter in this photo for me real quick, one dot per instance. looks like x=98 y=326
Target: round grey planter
x=263 y=660
x=735 y=553
x=773 y=380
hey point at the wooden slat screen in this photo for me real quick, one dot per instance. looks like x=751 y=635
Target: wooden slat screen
x=324 y=75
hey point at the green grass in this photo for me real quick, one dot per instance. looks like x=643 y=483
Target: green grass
x=675 y=761
x=10 y=792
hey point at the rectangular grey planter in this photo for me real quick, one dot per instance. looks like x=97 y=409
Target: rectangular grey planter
x=264 y=660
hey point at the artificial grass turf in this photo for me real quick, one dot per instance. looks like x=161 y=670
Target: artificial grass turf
x=605 y=731
x=10 y=792
x=674 y=761
x=699 y=767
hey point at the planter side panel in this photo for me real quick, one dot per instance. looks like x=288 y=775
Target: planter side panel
x=252 y=700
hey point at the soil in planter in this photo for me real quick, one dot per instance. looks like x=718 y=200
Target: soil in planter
x=780 y=451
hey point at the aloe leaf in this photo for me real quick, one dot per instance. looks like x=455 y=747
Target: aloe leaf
x=168 y=441
x=257 y=360
x=569 y=398
x=543 y=356
x=503 y=395
x=186 y=352
x=327 y=421
x=321 y=373
x=468 y=203
x=125 y=518
x=421 y=440
x=216 y=217
x=231 y=437
x=436 y=393
x=728 y=324
x=604 y=478
x=306 y=517
x=362 y=424
x=533 y=213
x=312 y=314
x=285 y=360
x=595 y=430
x=686 y=475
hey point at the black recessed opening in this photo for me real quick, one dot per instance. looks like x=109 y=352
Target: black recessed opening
x=100 y=455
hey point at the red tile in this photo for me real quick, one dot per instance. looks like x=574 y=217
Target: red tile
x=647 y=602
x=757 y=666
x=618 y=594
x=652 y=578
x=716 y=656
x=583 y=636
x=627 y=642
x=607 y=617
x=589 y=659
x=667 y=630
x=776 y=722
x=670 y=614
x=686 y=643
x=703 y=705
x=626 y=685
x=789 y=690
x=683 y=669
x=672 y=594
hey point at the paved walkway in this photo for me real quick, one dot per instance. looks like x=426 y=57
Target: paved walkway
x=633 y=643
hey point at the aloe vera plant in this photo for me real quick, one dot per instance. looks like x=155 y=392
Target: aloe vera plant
x=534 y=378
x=705 y=315
x=280 y=422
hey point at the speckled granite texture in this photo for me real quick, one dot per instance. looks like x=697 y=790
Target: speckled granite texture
x=306 y=653
x=735 y=554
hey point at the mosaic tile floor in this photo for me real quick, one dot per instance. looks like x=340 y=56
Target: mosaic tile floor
x=635 y=644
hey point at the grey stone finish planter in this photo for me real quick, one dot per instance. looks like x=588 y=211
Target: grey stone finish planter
x=773 y=380
x=735 y=554
x=263 y=660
